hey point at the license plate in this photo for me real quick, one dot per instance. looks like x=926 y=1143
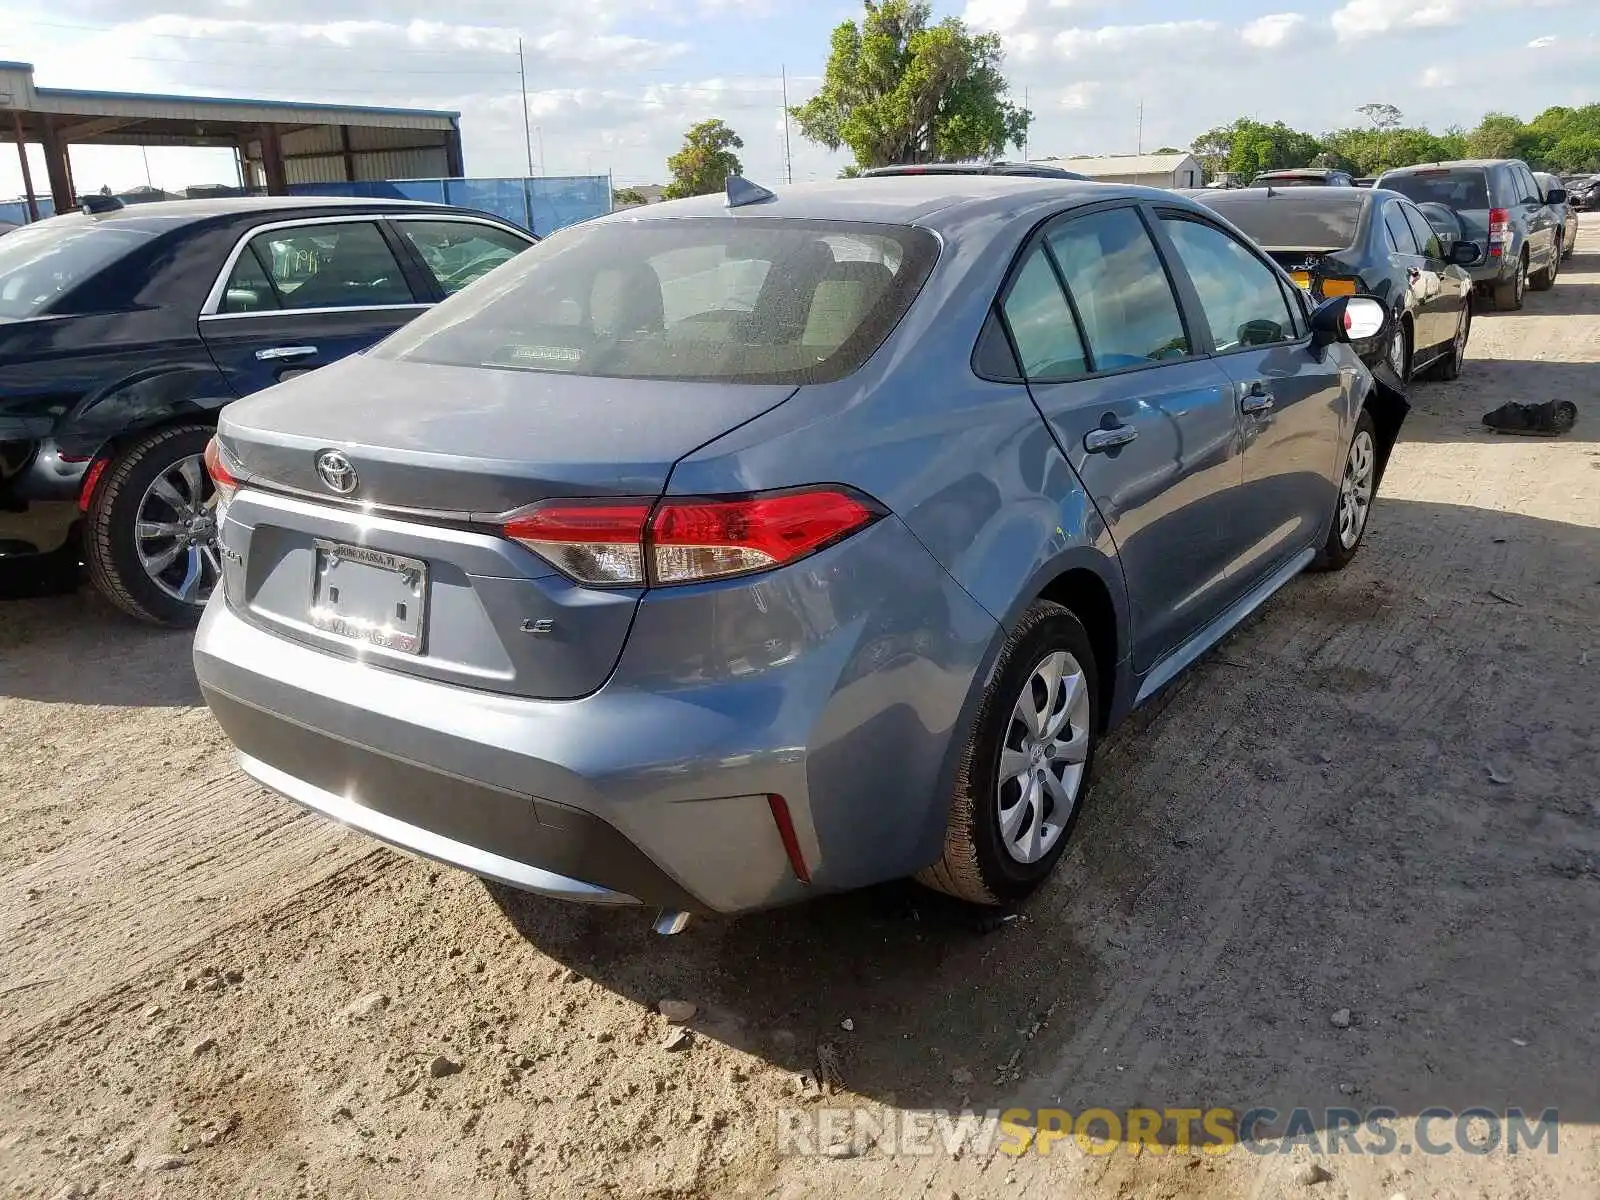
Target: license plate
x=369 y=596
x=1302 y=279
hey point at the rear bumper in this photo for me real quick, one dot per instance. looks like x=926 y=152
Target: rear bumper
x=836 y=684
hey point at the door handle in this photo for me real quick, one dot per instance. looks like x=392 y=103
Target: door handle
x=1097 y=441
x=1257 y=400
x=279 y=353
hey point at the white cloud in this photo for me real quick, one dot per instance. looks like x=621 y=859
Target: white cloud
x=1367 y=18
x=1540 y=43
x=1438 y=77
x=1116 y=39
x=1270 y=32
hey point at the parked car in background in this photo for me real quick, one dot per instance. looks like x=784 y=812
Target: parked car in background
x=1584 y=192
x=1026 y=170
x=720 y=554
x=1298 y=177
x=1496 y=203
x=123 y=331
x=1366 y=241
x=1366 y=181
x=1566 y=215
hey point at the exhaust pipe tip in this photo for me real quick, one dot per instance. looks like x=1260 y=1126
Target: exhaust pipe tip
x=669 y=921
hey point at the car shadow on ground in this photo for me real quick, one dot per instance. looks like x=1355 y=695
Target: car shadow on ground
x=73 y=647
x=1351 y=860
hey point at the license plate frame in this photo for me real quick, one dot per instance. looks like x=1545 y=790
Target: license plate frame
x=377 y=598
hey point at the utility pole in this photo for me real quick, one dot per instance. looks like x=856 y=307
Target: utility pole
x=527 y=135
x=788 y=161
x=1139 y=137
x=539 y=132
x=1025 y=157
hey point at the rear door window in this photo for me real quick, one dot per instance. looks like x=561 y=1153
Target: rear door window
x=458 y=252
x=1240 y=295
x=1401 y=239
x=339 y=265
x=749 y=299
x=1425 y=237
x=1120 y=289
x=1041 y=323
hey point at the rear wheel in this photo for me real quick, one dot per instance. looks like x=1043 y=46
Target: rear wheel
x=1398 y=355
x=149 y=535
x=1023 y=776
x=1454 y=358
x=1358 y=487
x=1508 y=293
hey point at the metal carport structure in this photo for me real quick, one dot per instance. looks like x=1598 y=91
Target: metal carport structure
x=278 y=142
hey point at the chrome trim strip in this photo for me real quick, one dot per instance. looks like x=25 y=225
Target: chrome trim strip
x=410 y=837
x=1164 y=671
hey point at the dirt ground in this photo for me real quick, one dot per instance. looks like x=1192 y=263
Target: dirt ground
x=1380 y=795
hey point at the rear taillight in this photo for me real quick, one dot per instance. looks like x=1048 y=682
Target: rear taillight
x=1499 y=230
x=688 y=540
x=1336 y=286
x=225 y=483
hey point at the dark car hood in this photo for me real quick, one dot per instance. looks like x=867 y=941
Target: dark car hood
x=481 y=440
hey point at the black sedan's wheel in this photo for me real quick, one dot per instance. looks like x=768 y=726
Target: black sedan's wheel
x=1454 y=358
x=1398 y=354
x=1022 y=779
x=150 y=534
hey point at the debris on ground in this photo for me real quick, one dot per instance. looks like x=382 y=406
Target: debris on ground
x=1340 y=1018
x=679 y=1012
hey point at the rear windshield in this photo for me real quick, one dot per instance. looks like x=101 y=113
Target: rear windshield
x=1283 y=223
x=1462 y=188
x=41 y=263
x=727 y=298
x=1289 y=181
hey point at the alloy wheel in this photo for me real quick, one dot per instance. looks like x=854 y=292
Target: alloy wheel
x=175 y=532
x=1042 y=758
x=1397 y=353
x=1355 y=490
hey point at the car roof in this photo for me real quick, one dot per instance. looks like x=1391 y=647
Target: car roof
x=1292 y=171
x=1451 y=165
x=1033 y=170
x=164 y=215
x=1303 y=197
x=930 y=201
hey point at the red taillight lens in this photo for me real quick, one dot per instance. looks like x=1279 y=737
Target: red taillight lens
x=594 y=542
x=714 y=538
x=224 y=481
x=1499 y=229
x=689 y=540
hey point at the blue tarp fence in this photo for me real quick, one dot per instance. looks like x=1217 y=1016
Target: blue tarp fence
x=541 y=205
x=16 y=211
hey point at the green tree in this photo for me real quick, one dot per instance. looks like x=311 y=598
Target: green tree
x=899 y=89
x=1500 y=135
x=1382 y=116
x=1566 y=139
x=626 y=196
x=706 y=160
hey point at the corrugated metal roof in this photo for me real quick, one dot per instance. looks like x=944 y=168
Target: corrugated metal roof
x=1113 y=166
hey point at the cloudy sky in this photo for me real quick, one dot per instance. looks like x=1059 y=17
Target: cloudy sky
x=613 y=83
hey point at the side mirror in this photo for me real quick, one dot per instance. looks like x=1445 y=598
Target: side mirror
x=1464 y=254
x=1348 y=319
x=1556 y=196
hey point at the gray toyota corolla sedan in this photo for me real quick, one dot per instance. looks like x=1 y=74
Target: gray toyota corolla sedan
x=730 y=551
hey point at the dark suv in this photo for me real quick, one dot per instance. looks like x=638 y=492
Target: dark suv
x=1304 y=177
x=1498 y=204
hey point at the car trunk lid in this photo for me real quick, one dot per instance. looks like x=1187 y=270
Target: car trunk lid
x=401 y=562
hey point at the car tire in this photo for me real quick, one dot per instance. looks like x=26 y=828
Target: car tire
x=996 y=821
x=121 y=553
x=1543 y=281
x=1455 y=356
x=1508 y=294
x=1398 y=354
x=1352 y=506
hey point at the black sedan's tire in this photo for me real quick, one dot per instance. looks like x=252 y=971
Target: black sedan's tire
x=147 y=537
x=1023 y=776
x=1449 y=367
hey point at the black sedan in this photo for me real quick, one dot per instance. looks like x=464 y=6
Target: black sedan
x=1337 y=241
x=124 y=330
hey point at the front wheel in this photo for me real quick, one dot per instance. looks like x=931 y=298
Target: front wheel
x=1509 y=293
x=1358 y=486
x=1022 y=778
x=150 y=535
x=1544 y=280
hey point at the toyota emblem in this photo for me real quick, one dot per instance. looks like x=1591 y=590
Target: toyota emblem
x=336 y=471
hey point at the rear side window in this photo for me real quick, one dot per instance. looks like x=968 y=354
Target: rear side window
x=1460 y=188
x=1130 y=316
x=1422 y=231
x=1240 y=295
x=344 y=265
x=457 y=252
x=41 y=263
x=1041 y=323
x=734 y=298
x=1401 y=238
